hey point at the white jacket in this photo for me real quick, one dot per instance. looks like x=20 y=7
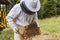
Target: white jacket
x=16 y=17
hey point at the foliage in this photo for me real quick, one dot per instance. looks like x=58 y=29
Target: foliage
x=48 y=8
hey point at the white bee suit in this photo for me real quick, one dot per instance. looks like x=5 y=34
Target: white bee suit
x=16 y=18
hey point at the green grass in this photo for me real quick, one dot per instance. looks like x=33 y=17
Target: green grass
x=7 y=34
x=50 y=24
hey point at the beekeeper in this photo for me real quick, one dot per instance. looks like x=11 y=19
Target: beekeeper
x=23 y=13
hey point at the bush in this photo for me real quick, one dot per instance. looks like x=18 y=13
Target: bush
x=48 y=8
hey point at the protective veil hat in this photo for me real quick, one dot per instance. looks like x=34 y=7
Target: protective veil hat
x=32 y=5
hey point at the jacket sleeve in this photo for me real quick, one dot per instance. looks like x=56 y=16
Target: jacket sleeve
x=36 y=19
x=14 y=12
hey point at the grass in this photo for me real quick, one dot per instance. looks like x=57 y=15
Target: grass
x=6 y=34
x=49 y=24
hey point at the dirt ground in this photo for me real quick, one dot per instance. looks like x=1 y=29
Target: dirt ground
x=45 y=35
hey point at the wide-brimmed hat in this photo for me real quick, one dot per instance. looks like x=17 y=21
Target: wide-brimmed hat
x=32 y=5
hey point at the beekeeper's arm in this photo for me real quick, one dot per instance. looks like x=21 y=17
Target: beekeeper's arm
x=36 y=19
x=12 y=16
